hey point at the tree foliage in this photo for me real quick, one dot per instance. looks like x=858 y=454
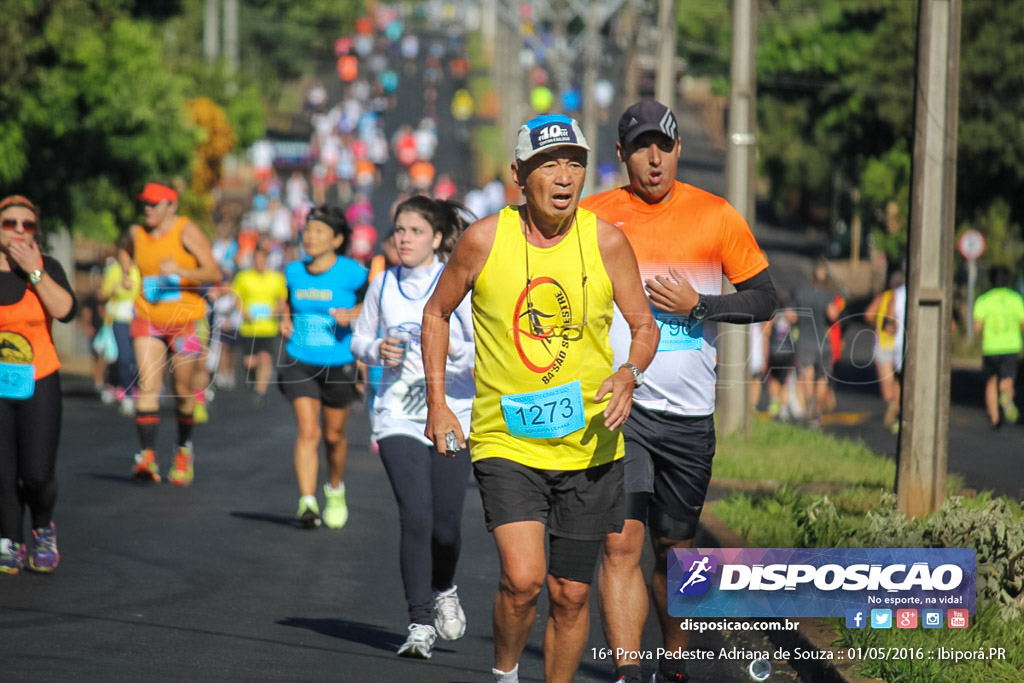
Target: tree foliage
x=88 y=111
x=94 y=93
x=836 y=102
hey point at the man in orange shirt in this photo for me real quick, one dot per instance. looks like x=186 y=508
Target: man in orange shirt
x=685 y=240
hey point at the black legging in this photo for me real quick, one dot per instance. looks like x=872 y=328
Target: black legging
x=430 y=489
x=29 y=434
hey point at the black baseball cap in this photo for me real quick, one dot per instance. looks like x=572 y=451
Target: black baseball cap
x=644 y=116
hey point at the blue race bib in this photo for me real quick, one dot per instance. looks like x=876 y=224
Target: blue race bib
x=545 y=414
x=161 y=288
x=17 y=380
x=678 y=332
x=259 y=311
x=313 y=329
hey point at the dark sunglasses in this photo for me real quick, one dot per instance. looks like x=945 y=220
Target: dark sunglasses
x=151 y=205
x=27 y=225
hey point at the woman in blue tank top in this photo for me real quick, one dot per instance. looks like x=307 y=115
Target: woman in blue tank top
x=318 y=372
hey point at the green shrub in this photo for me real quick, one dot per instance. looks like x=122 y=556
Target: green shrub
x=865 y=518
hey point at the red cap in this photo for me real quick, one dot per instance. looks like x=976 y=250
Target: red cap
x=156 y=193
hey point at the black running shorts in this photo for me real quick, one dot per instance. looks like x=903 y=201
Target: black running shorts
x=334 y=386
x=669 y=457
x=584 y=505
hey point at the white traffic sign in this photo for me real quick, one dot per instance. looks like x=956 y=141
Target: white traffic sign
x=971 y=245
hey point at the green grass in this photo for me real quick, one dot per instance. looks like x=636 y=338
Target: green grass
x=787 y=517
x=786 y=453
x=487 y=143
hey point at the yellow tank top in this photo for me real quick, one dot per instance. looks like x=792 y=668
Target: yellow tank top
x=173 y=309
x=886 y=338
x=529 y=339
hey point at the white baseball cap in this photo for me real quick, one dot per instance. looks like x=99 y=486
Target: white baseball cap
x=547 y=132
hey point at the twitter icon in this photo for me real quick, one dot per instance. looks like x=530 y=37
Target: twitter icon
x=881 y=618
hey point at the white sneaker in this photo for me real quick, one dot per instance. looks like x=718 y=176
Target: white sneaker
x=420 y=643
x=449 y=619
x=128 y=406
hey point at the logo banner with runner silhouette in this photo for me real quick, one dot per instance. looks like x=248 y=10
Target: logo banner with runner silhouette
x=817 y=582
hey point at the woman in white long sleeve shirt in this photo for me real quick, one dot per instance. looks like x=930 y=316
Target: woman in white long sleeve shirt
x=429 y=488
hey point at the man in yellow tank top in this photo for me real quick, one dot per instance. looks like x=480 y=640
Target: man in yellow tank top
x=545 y=439
x=174 y=258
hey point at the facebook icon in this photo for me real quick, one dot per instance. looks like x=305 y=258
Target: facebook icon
x=856 y=618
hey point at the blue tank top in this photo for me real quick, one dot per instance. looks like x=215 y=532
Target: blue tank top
x=317 y=339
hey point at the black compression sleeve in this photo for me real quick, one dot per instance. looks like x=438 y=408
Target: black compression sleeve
x=361 y=292
x=53 y=269
x=754 y=301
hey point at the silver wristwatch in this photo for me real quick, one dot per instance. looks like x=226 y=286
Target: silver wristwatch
x=638 y=374
x=35 y=276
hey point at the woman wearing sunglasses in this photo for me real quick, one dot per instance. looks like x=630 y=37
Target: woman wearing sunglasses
x=430 y=489
x=33 y=291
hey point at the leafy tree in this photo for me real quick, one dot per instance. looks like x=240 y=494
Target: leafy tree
x=836 y=102
x=89 y=112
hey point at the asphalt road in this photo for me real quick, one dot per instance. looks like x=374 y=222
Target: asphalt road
x=217 y=583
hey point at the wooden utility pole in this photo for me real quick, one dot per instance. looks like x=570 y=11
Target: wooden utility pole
x=734 y=340
x=924 y=425
x=231 y=35
x=591 y=55
x=211 y=30
x=665 y=80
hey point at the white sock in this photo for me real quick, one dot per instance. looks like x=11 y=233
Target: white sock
x=340 y=489
x=506 y=676
x=310 y=501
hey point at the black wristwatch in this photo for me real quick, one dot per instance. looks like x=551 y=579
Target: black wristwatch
x=700 y=311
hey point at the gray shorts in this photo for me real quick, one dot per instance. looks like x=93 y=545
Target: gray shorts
x=668 y=457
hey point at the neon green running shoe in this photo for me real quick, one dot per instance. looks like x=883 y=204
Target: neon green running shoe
x=335 y=507
x=1010 y=411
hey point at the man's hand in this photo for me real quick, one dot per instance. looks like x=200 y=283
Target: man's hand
x=440 y=421
x=672 y=295
x=286 y=327
x=620 y=385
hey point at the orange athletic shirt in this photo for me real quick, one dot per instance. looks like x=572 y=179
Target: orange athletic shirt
x=696 y=232
x=149 y=252
x=703 y=238
x=28 y=319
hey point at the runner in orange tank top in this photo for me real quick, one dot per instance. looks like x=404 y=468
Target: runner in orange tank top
x=174 y=258
x=33 y=291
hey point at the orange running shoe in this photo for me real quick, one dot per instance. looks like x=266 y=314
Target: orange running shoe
x=145 y=466
x=182 y=472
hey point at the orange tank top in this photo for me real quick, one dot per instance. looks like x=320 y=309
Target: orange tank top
x=26 y=335
x=176 y=305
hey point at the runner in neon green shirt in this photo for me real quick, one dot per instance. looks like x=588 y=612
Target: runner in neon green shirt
x=261 y=294
x=999 y=318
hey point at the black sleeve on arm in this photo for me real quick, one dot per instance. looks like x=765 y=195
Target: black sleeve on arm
x=754 y=300
x=53 y=269
x=361 y=292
